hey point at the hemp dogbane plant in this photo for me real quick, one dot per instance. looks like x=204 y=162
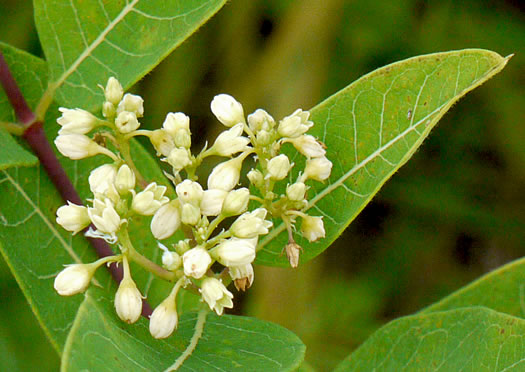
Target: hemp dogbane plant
x=118 y=198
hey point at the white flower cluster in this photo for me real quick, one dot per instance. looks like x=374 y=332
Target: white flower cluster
x=119 y=194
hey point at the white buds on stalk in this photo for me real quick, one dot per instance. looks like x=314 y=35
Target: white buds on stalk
x=73 y=217
x=166 y=220
x=235 y=252
x=308 y=146
x=76 y=121
x=227 y=110
x=113 y=91
x=179 y=158
x=251 y=224
x=162 y=141
x=196 y=262
x=104 y=216
x=190 y=214
x=147 y=202
x=318 y=169
x=189 y=192
x=125 y=179
x=231 y=141
x=212 y=202
x=296 y=124
x=278 y=167
x=216 y=295
x=74 y=279
x=127 y=122
x=312 y=228
x=236 y=202
x=164 y=318
x=78 y=146
x=260 y=120
x=171 y=260
x=131 y=103
x=256 y=178
x=128 y=300
x=225 y=176
x=176 y=121
x=242 y=276
x=101 y=178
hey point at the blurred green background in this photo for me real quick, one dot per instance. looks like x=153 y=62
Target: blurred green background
x=454 y=212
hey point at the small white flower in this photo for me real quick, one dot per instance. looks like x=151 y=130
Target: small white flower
x=78 y=146
x=256 y=178
x=131 y=103
x=127 y=122
x=235 y=252
x=147 y=202
x=76 y=121
x=101 y=178
x=216 y=295
x=179 y=158
x=171 y=260
x=236 y=202
x=296 y=124
x=176 y=121
x=260 y=120
x=104 y=216
x=125 y=179
x=318 y=169
x=162 y=141
x=190 y=214
x=296 y=191
x=264 y=137
x=212 y=201
x=164 y=318
x=227 y=110
x=242 y=276
x=128 y=301
x=251 y=224
x=166 y=220
x=225 y=176
x=308 y=146
x=278 y=167
x=189 y=192
x=113 y=91
x=312 y=228
x=73 y=217
x=108 y=110
x=196 y=262
x=182 y=138
x=231 y=141
x=74 y=279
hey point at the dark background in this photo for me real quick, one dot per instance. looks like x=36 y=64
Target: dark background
x=454 y=212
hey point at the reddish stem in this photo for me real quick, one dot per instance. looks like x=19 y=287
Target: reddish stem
x=36 y=138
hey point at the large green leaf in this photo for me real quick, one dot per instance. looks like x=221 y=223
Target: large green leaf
x=371 y=128
x=502 y=290
x=100 y=341
x=86 y=42
x=12 y=154
x=469 y=339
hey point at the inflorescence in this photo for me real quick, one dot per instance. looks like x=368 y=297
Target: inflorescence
x=120 y=194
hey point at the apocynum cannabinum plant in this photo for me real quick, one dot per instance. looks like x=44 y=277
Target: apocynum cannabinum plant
x=248 y=212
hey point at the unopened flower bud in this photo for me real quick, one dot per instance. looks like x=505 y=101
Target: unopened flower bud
x=76 y=121
x=127 y=122
x=176 y=121
x=182 y=246
x=147 y=202
x=171 y=260
x=260 y=120
x=113 y=91
x=104 y=216
x=278 y=167
x=216 y=295
x=131 y=103
x=293 y=250
x=179 y=158
x=317 y=169
x=182 y=138
x=308 y=146
x=312 y=228
x=196 y=262
x=256 y=178
x=189 y=192
x=264 y=138
x=296 y=191
x=231 y=141
x=242 y=276
x=190 y=214
x=125 y=179
x=108 y=110
x=73 y=217
x=225 y=176
x=296 y=124
x=74 y=279
x=101 y=178
x=227 y=110
x=128 y=301
x=235 y=252
x=166 y=220
x=78 y=146
x=162 y=141
x=164 y=318
x=251 y=224
x=212 y=201
x=236 y=202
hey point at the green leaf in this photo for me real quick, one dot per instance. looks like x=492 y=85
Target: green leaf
x=371 y=128
x=502 y=290
x=86 y=42
x=12 y=154
x=469 y=339
x=100 y=341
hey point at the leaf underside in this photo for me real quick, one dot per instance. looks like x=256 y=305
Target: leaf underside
x=371 y=128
